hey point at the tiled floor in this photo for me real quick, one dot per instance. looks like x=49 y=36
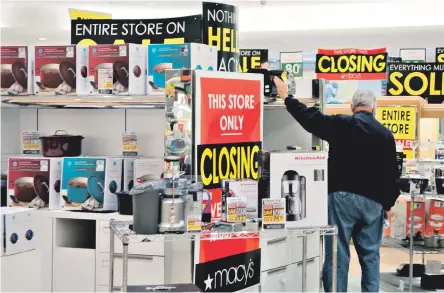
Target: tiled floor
x=390 y=259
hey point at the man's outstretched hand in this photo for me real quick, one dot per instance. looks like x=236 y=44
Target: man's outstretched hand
x=282 y=88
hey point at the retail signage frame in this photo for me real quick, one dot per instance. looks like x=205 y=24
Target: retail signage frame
x=220 y=29
x=439 y=55
x=186 y=29
x=252 y=58
x=293 y=62
x=417 y=79
x=403 y=122
x=413 y=55
x=351 y=64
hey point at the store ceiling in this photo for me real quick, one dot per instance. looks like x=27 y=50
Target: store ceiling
x=278 y=25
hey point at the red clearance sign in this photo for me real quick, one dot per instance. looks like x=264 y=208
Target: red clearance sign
x=346 y=64
x=229 y=112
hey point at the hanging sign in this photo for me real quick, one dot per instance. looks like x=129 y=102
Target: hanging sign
x=180 y=30
x=273 y=213
x=293 y=62
x=86 y=14
x=31 y=143
x=346 y=64
x=440 y=55
x=130 y=146
x=402 y=121
x=418 y=79
x=220 y=29
x=413 y=55
x=254 y=58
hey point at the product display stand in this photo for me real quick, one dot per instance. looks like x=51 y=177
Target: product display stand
x=122 y=230
x=390 y=281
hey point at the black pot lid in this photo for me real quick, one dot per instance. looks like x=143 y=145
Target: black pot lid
x=64 y=135
x=96 y=188
x=172 y=158
x=19 y=72
x=120 y=71
x=68 y=73
x=41 y=187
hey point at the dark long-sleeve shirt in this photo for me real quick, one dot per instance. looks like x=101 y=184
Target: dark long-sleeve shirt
x=362 y=152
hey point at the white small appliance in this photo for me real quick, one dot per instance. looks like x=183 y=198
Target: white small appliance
x=17 y=230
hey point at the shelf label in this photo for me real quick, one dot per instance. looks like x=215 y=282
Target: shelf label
x=130 y=146
x=194 y=224
x=273 y=214
x=31 y=143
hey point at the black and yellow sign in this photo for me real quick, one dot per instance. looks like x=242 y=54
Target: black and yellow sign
x=417 y=79
x=217 y=162
x=86 y=14
x=185 y=29
x=356 y=64
x=252 y=58
x=220 y=29
x=440 y=55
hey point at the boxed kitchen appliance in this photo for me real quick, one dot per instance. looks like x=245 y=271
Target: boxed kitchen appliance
x=128 y=174
x=28 y=182
x=162 y=57
x=55 y=70
x=148 y=169
x=16 y=70
x=113 y=183
x=435 y=216
x=301 y=178
x=246 y=189
x=117 y=69
x=83 y=183
x=55 y=176
x=82 y=81
x=400 y=217
x=17 y=228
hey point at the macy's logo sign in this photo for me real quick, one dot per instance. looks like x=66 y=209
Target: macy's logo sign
x=233 y=275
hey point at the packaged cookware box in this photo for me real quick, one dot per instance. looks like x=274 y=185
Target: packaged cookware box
x=435 y=216
x=16 y=70
x=148 y=169
x=162 y=57
x=400 y=217
x=55 y=70
x=83 y=183
x=113 y=183
x=29 y=182
x=82 y=80
x=55 y=177
x=117 y=69
x=128 y=174
x=301 y=178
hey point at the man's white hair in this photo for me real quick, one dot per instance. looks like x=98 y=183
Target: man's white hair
x=364 y=98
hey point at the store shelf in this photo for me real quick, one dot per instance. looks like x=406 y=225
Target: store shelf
x=426 y=195
x=390 y=282
x=404 y=246
x=126 y=235
x=433 y=111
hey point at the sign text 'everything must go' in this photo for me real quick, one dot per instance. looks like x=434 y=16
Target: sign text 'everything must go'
x=220 y=29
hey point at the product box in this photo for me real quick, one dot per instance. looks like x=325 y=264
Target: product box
x=301 y=178
x=400 y=217
x=28 y=182
x=18 y=227
x=163 y=57
x=16 y=70
x=83 y=183
x=55 y=177
x=113 y=183
x=435 y=216
x=55 y=70
x=148 y=169
x=128 y=174
x=82 y=80
x=117 y=69
x=234 y=210
x=246 y=189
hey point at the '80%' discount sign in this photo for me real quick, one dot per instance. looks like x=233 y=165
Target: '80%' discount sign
x=402 y=121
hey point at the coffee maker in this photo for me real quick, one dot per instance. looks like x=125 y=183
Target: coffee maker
x=293 y=189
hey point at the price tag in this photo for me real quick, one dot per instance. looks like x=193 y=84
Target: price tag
x=130 y=146
x=296 y=68
x=273 y=213
x=194 y=224
x=236 y=210
x=31 y=143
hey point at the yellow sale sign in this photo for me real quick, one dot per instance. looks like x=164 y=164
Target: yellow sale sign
x=402 y=121
x=85 y=14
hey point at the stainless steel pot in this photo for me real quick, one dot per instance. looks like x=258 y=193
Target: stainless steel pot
x=432 y=241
